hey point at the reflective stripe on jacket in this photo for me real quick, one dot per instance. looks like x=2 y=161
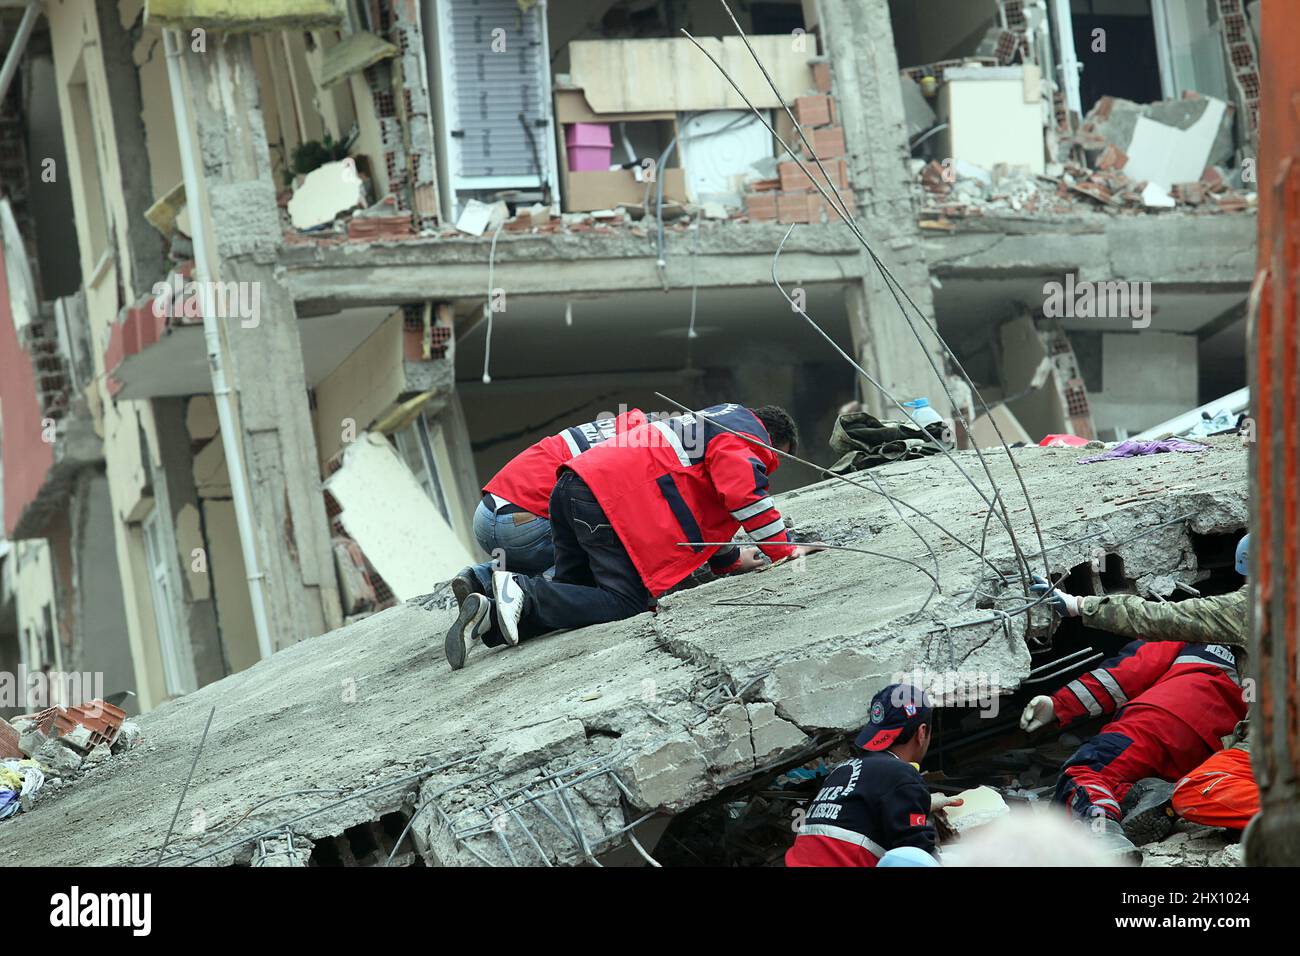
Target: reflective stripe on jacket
x=528 y=479
x=670 y=485
x=1197 y=683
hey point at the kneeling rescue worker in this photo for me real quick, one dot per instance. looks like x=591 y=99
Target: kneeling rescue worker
x=876 y=801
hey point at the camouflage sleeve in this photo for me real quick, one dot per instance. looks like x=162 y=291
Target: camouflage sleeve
x=1220 y=619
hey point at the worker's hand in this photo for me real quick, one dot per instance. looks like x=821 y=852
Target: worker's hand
x=939 y=801
x=803 y=550
x=1067 y=605
x=1038 y=713
x=751 y=559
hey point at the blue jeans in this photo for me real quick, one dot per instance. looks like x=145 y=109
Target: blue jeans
x=517 y=542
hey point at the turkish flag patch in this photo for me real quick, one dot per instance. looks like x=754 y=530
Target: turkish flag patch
x=916 y=820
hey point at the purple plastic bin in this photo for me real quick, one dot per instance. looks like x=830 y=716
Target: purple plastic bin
x=586 y=159
x=587 y=134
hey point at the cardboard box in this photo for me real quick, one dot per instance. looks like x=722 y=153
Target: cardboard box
x=571 y=106
x=587 y=192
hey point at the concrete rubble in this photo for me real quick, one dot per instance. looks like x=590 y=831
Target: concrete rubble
x=1119 y=163
x=551 y=752
x=66 y=742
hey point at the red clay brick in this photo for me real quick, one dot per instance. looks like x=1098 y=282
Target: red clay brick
x=828 y=142
x=1112 y=158
x=793 y=207
x=822 y=76
x=760 y=205
x=813 y=110
x=793 y=178
x=819 y=210
x=9 y=742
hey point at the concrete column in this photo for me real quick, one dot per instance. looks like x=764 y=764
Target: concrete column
x=858 y=38
x=174 y=488
x=141 y=243
x=265 y=352
x=885 y=345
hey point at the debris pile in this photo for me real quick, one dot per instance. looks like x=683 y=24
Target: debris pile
x=56 y=745
x=1126 y=158
x=328 y=205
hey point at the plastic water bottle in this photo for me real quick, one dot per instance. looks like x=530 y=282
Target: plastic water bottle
x=921 y=412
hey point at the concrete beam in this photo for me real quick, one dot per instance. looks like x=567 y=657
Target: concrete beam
x=1167 y=249
x=729 y=255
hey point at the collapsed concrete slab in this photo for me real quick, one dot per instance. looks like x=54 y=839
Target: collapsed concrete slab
x=566 y=749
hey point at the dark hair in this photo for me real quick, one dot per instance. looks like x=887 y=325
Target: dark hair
x=780 y=426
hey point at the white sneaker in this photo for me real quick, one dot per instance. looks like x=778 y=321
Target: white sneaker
x=509 y=605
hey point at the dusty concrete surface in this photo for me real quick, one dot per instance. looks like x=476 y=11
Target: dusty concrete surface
x=1174 y=248
x=1193 y=845
x=567 y=739
x=717 y=255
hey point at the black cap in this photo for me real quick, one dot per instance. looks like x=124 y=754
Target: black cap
x=896 y=712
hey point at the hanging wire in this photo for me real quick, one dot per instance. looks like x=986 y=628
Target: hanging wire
x=895 y=288
x=488 y=306
x=818 y=468
x=933 y=329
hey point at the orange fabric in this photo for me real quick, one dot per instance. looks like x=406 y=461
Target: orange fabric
x=1220 y=792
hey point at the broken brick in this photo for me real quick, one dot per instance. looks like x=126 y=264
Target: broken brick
x=1112 y=158
x=8 y=742
x=1102 y=109
x=1094 y=190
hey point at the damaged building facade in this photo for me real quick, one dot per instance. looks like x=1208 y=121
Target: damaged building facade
x=282 y=288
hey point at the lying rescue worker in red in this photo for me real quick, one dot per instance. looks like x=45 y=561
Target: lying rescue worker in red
x=513 y=520
x=621 y=511
x=876 y=801
x=1220 y=791
x=1172 y=703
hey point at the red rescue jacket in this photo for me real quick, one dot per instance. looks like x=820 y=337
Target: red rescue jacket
x=528 y=479
x=1197 y=683
x=687 y=479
